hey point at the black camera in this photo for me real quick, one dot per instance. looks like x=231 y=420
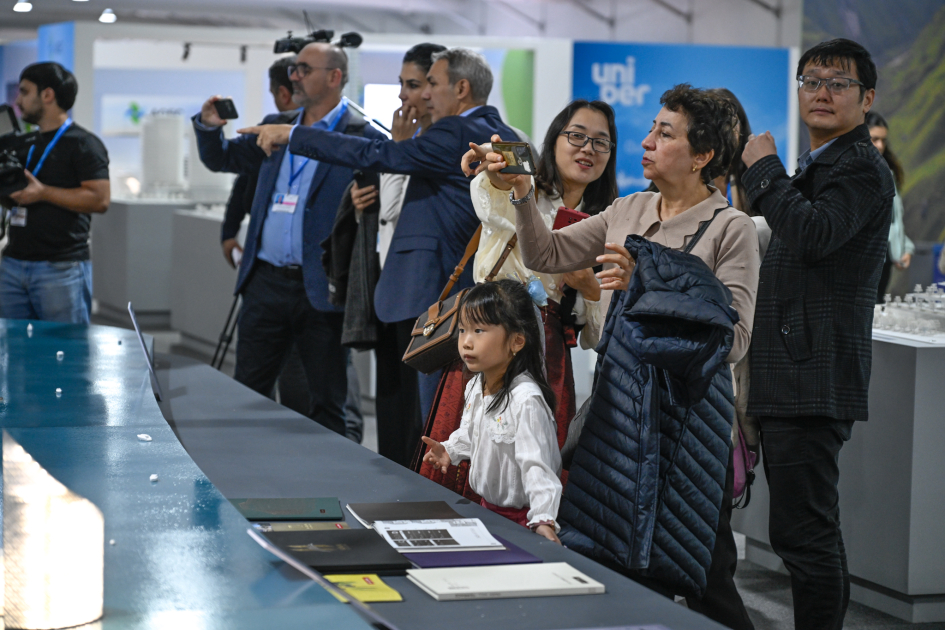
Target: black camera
x=291 y=44
x=12 y=141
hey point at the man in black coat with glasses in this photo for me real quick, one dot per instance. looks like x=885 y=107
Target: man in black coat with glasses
x=811 y=349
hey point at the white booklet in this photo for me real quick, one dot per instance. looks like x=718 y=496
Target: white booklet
x=504 y=581
x=462 y=534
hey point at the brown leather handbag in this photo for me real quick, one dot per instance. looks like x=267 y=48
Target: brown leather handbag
x=433 y=341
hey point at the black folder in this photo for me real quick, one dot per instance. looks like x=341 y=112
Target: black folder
x=342 y=551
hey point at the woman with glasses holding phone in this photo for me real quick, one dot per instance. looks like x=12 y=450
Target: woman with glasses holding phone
x=577 y=170
x=692 y=142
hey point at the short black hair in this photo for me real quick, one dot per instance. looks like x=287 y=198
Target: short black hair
x=279 y=72
x=841 y=52
x=601 y=192
x=712 y=121
x=49 y=74
x=422 y=54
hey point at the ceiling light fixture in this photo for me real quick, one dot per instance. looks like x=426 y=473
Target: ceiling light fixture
x=108 y=17
x=22 y=6
x=80 y=0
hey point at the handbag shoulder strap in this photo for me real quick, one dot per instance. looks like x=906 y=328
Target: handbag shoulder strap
x=505 y=255
x=458 y=271
x=703 y=226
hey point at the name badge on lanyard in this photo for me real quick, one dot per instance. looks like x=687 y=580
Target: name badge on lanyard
x=285 y=203
x=18 y=216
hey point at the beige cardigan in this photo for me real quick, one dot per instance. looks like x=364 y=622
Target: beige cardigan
x=729 y=246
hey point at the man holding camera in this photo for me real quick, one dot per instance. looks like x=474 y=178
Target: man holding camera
x=283 y=284
x=437 y=219
x=45 y=272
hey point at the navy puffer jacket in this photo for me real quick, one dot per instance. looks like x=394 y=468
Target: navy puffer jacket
x=645 y=485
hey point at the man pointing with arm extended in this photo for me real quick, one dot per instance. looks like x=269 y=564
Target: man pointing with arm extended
x=438 y=218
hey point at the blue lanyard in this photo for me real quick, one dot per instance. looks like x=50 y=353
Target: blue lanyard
x=295 y=174
x=49 y=148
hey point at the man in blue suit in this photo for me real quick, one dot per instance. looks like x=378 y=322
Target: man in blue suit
x=438 y=218
x=281 y=279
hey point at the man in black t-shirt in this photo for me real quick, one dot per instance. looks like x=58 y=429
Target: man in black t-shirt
x=45 y=272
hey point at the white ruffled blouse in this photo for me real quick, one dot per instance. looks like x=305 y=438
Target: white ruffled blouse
x=514 y=456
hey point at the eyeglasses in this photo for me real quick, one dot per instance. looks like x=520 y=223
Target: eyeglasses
x=303 y=69
x=836 y=85
x=576 y=139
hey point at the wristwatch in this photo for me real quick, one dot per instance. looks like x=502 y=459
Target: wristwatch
x=523 y=200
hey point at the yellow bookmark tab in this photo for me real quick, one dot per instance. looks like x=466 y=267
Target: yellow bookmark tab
x=366 y=588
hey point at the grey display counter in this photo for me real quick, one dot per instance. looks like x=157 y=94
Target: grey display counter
x=131 y=260
x=892 y=500
x=202 y=282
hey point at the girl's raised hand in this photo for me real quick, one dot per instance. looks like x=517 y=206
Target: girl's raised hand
x=616 y=278
x=437 y=455
x=548 y=532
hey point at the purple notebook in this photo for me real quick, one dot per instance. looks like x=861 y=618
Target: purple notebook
x=510 y=555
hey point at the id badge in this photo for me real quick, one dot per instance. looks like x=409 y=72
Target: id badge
x=18 y=216
x=285 y=203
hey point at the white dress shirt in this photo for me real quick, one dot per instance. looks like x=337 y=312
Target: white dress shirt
x=513 y=453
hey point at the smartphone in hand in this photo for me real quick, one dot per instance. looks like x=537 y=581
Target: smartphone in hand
x=226 y=109
x=518 y=157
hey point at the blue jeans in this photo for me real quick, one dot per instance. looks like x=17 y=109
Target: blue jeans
x=50 y=291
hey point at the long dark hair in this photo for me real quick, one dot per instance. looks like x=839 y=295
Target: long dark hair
x=506 y=303
x=600 y=193
x=737 y=167
x=876 y=120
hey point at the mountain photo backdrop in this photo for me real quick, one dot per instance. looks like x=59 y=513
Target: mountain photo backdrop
x=907 y=41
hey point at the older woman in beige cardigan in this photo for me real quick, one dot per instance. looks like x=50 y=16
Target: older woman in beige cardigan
x=691 y=142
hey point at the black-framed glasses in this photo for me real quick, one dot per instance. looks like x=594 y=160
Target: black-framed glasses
x=303 y=69
x=836 y=85
x=578 y=139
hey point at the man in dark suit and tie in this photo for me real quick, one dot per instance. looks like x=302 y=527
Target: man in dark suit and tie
x=811 y=351
x=281 y=279
x=437 y=219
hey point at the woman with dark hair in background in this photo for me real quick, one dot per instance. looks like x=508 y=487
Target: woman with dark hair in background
x=576 y=170
x=691 y=143
x=399 y=420
x=730 y=184
x=901 y=246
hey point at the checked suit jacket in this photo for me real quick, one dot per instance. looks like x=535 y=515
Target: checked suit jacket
x=811 y=349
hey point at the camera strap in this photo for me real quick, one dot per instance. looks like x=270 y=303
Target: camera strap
x=49 y=148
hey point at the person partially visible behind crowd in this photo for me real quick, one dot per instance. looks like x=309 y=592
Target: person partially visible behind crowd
x=397 y=396
x=901 y=248
x=45 y=271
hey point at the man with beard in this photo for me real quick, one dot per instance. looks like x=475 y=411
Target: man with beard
x=281 y=278
x=45 y=272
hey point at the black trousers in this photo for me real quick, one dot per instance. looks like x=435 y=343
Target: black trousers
x=293 y=393
x=275 y=314
x=398 y=399
x=721 y=601
x=801 y=463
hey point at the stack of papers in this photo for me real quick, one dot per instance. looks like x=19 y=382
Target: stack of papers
x=505 y=581
x=464 y=534
x=367 y=513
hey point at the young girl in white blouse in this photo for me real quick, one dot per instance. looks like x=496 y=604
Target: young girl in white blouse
x=508 y=428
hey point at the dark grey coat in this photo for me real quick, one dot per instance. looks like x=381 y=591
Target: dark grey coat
x=811 y=348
